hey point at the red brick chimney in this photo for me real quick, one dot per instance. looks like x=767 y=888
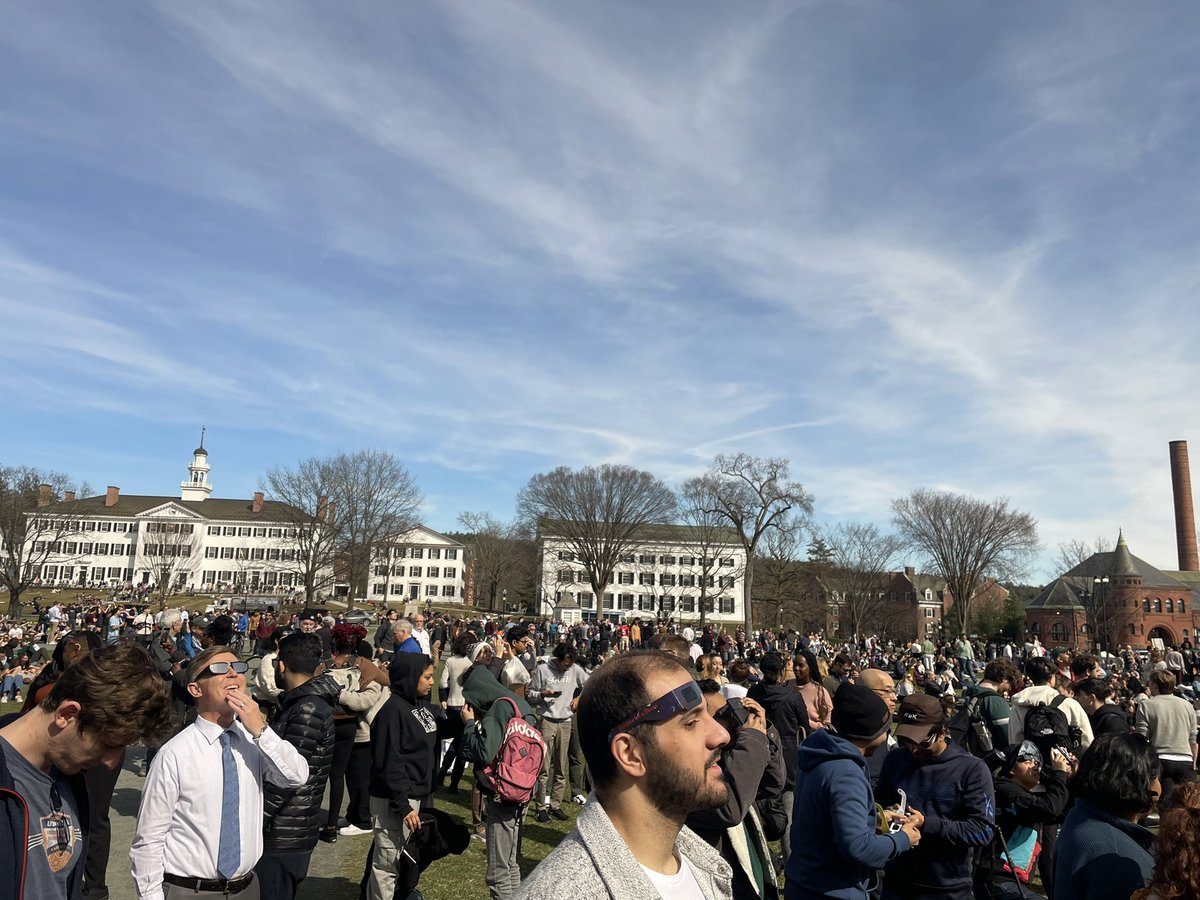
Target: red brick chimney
x=910 y=571
x=68 y=496
x=332 y=513
x=322 y=507
x=258 y=502
x=1185 y=517
x=113 y=495
x=43 y=495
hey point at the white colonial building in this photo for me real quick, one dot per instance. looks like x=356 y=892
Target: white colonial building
x=419 y=565
x=665 y=577
x=115 y=539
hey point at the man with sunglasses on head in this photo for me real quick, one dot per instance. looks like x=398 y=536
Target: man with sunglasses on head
x=199 y=830
x=951 y=788
x=652 y=748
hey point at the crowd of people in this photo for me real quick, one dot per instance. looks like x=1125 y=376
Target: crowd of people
x=695 y=762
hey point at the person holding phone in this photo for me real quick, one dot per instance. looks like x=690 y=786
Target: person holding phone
x=552 y=690
x=838 y=839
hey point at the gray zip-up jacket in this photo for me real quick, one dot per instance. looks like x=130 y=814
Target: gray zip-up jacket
x=593 y=863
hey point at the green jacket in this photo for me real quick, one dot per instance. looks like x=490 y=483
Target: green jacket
x=481 y=739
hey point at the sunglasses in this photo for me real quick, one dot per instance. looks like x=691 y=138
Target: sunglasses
x=684 y=698
x=923 y=745
x=220 y=668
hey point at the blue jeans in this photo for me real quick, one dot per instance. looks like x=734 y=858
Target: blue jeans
x=11 y=686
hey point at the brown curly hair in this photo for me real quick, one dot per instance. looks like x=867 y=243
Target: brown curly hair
x=1177 y=870
x=120 y=693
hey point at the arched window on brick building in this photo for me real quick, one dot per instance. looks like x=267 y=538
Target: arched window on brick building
x=1170 y=605
x=1158 y=604
x=1145 y=604
x=1058 y=632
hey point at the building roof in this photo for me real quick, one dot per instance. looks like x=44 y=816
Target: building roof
x=1062 y=593
x=661 y=533
x=1122 y=562
x=131 y=505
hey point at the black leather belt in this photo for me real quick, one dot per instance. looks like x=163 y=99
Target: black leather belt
x=212 y=885
x=556 y=721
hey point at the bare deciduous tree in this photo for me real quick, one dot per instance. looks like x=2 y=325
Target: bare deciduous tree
x=712 y=538
x=169 y=548
x=860 y=558
x=502 y=557
x=309 y=544
x=376 y=500
x=964 y=540
x=1073 y=553
x=597 y=511
x=755 y=496
x=29 y=541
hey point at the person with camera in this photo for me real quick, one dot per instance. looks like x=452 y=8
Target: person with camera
x=785 y=709
x=838 y=841
x=735 y=828
x=1029 y=797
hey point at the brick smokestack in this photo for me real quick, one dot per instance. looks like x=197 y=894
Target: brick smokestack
x=68 y=496
x=1185 y=516
x=322 y=506
x=113 y=495
x=258 y=502
x=43 y=495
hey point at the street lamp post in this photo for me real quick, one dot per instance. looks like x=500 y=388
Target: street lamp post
x=1099 y=599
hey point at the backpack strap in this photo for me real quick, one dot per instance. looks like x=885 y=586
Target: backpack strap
x=1058 y=701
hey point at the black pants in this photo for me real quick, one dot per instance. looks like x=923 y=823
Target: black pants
x=358 y=785
x=279 y=874
x=343 y=743
x=455 y=761
x=101 y=781
x=1174 y=772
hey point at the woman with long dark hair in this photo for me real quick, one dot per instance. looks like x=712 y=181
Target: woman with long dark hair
x=816 y=695
x=1102 y=851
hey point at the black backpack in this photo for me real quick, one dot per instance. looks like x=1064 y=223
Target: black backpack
x=968 y=728
x=1047 y=727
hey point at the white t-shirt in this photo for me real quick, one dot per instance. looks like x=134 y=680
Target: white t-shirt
x=680 y=886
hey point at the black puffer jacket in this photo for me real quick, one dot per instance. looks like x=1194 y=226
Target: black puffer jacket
x=787 y=711
x=292 y=819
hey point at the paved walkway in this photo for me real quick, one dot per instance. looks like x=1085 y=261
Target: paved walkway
x=323 y=883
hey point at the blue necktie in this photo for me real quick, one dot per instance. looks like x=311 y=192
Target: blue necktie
x=229 y=854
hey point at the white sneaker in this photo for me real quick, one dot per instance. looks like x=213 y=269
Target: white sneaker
x=580 y=799
x=352 y=830
x=3 y=699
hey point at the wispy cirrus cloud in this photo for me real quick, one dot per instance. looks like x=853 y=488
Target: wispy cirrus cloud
x=902 y=247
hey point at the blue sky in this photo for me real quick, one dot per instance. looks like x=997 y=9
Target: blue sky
x=947 y=245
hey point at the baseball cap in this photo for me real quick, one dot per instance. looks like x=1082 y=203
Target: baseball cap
x=919 y=714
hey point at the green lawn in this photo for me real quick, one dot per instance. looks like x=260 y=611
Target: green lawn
x=336 y=869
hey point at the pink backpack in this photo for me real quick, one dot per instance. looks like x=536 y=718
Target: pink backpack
x=513 y=774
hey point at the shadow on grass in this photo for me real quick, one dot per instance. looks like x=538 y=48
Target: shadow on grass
x=325 y=888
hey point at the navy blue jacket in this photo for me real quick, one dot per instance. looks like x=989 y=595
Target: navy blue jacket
x=1101 y=857
x=955 y=794
x=835 y=847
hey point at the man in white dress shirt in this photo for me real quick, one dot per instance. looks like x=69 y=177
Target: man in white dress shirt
x=199 y=830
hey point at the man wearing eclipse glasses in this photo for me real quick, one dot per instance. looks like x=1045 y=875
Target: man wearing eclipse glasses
x=199 y=829
x=652 y=749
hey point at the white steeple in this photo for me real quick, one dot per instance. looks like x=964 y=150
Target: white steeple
x=197 y=486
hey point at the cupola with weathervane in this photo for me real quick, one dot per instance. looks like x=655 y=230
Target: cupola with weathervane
x=197 y=487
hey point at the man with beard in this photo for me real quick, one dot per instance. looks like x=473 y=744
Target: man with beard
x=652 y=748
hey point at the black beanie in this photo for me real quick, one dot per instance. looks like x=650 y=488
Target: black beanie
x=859 y=713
